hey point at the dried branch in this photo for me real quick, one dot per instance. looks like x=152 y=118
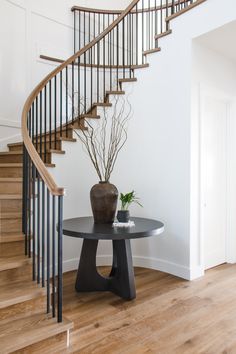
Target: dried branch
x=104 y=138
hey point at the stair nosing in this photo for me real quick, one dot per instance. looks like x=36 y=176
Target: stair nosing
x=7 y=196
x=53 y=328
x=17 y=299
x=11 y=237
x=13 y=263
x=11 y=164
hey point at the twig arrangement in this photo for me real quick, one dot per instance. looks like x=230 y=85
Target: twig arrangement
x=104 y=138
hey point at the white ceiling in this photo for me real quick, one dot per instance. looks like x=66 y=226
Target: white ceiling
x=221 y=40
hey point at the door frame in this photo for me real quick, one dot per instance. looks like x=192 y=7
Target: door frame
x=212 y=92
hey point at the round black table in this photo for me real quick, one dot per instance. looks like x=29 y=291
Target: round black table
x=121 y=278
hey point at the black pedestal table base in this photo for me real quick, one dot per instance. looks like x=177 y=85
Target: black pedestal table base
x=121 y=279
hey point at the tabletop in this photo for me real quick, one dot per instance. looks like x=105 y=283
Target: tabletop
x=84 y=227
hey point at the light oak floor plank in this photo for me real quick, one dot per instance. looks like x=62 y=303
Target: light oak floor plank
x=169 y=316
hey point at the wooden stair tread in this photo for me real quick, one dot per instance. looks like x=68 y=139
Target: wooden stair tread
x=11 y=215
x=15 y=144
x=67 y=139
x=12 y=237
x=115 y=92
x=163 y=34
x=188 y=8
x=131 y=79
x=53 y=140
x=140 y=66
x=102 y=104
x=13 y=262
x=22 y=333
x=54 y=151
x=11 y=179
x=90 y=116
x=5 y=153
x=11 y=164
x=10 y=196
x=151 y=51
x=19 y=291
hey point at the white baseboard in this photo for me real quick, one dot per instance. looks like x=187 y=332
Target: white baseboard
x=196 y=272
x=145 y=262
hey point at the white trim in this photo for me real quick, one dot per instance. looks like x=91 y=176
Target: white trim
x=10 y=123
x=144 y=262
x=15 y=4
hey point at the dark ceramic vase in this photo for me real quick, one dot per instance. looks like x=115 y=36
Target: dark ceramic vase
x=103 y=197
x=123 y=215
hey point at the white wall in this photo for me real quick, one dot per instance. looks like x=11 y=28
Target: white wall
x=29 y=28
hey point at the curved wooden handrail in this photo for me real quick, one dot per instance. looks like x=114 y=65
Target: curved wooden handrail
x=118 y=12
x=39 y=164
x=96 y=11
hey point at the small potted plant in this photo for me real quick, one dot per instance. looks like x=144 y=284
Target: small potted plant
x=127 y=199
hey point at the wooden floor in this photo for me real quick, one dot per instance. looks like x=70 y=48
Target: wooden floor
x=169 y=315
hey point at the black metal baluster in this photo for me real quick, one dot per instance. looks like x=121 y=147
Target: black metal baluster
x=74 y=31
x=84 y=29
x=38 y=229
x=131 y=43
x=34 y=222
x=113 y=43
x=73 y=91
x=127 y=40
x=37 y=131
x=79 y=30
x=43 y=234
x=110 y=49
x=85 y=82
x=91 y=76
x=161 y=15
x=94 y=31
x=48 y=251
x=40 y=123
x=152 y=32
x=173 y=7
x=66 y=93
x=149 y=25
x=53 y=258
x=29 y=206
x=104 y=66
x=55 y=112
x=166 y=22
x=117 y=70
x=45 y=123
x=25 y=197
x=59 y=276
x=137 y=29
x=123 y=46
x=33 y=200
x=142 y=31
x=155 y=6
x=50 y=115
x=79 y=96
x=61 y=113
x=98 y=63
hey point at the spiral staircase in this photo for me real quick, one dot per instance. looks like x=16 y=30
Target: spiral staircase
x=109 y=47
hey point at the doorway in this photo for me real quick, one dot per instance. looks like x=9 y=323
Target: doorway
x=214 y=179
